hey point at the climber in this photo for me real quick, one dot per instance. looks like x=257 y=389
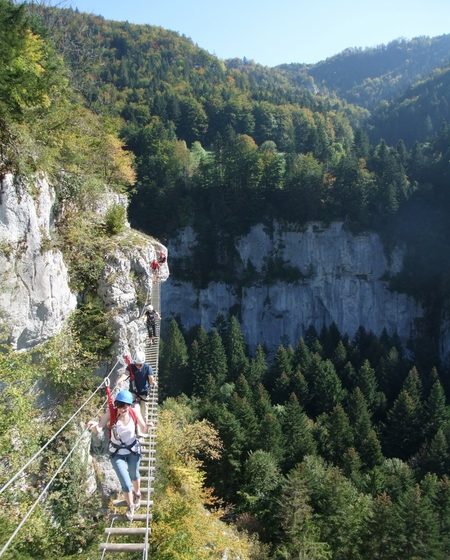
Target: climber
x=151 y=316
x=124 y=447
x=141 y=378
x=154 y=266
x=162 y=257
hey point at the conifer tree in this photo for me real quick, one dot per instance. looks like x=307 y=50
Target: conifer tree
x=351 y=465
x=367 y=382
x=263 y=405
x=324 y=385
x=339 y=356
x=261 y=479
x=390 y=373
x=216 y=358
x=435 y=410
x=282 y=363
x=173 y=369
x=198 y=362
x=301 y=535
x=301 y=387
x=403 y=427
x=271 y=436
x=235 y=349
x=436 y=457
x=243 y=388
x=242 y=409
x=382 y=532
x=413 y=385
x=371 y=451
x=339 y=435
x=365 y=437
x=348 y=376
x=281 y=387
x=297 y=433
x=421 y=536
x=226 y=471
x=302 y=355
x=258 y=367
x=397 y=477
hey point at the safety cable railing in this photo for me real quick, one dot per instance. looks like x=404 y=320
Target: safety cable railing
x=43 y=493
x=40 y=451
x=152 y=437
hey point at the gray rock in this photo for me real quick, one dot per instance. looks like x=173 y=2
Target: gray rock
x=341 y=278
x=35 y=297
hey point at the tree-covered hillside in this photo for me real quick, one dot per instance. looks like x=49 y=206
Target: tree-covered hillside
x=338 y=448
x=418 y=114
x=367 y=76
x=223 y=146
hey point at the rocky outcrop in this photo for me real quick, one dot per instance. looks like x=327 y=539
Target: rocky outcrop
x=126 y=288
x=295 y=279
x=35 y=297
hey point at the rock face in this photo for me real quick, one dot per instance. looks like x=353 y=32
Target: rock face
x=35 y=297
x=317 y=276
x=126 y=288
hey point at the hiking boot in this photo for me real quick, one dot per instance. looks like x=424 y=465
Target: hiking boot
x=130 y=513
x=137 y=501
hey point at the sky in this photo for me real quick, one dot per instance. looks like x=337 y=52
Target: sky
x=273 y=32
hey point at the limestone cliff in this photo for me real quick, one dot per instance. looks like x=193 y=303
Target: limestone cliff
x=35 y=297
x=316 y=276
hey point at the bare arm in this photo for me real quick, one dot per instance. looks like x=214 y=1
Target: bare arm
x=123 y=377
x=141 y=422
x=98 y=426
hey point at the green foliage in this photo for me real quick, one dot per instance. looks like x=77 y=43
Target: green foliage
x=355 y=505
x=115 y=219
x=67 y=361
x=173 y=370
x=18 y=432
x=182 y=527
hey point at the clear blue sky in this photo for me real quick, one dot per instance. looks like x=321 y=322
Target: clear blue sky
x=273 y=32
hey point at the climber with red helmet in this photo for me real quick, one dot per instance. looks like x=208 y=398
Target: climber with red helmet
x=124 y=446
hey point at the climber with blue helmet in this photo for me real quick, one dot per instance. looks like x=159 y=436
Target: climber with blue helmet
x=124 y=447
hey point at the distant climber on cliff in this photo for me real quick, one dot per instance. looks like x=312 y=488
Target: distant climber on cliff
x=154 y=265
x=151 y=316
x=162 y=257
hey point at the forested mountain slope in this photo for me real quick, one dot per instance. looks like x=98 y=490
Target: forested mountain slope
x=222 y=147
x=416 y=115
x=367 y=76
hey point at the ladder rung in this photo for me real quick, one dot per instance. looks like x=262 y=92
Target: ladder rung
x=122 y=547
x=147 y=478
x=141 y=516
x=120 y=503
x=125 y=530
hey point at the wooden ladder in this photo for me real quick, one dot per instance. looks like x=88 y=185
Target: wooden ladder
x=140 y=526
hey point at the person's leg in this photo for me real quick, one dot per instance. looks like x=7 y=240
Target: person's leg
x=143 y=405
x=133 y=467
x=120 y=466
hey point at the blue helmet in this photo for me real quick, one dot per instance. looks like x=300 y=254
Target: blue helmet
x=124 y=397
